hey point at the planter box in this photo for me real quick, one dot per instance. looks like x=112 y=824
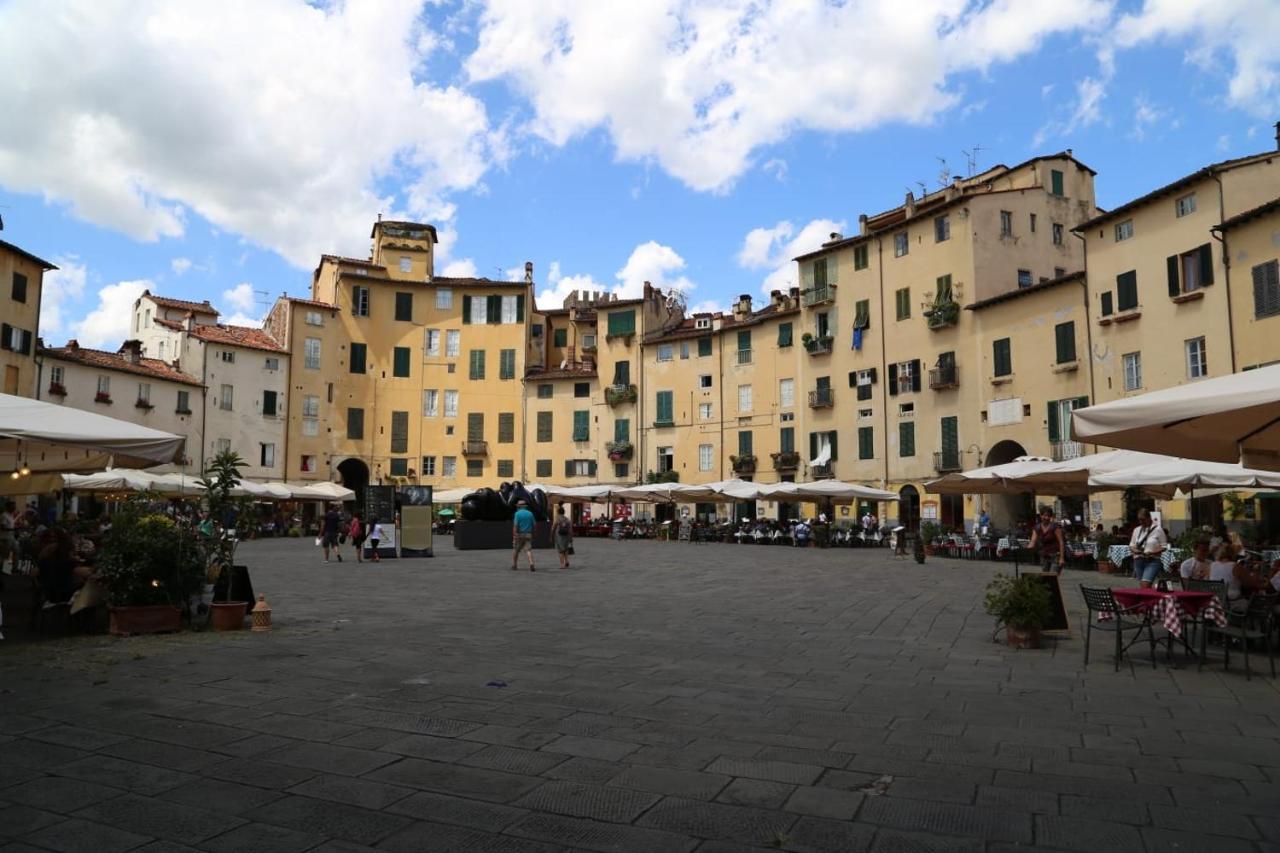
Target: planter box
x=1022 y=638
x=145 y=619
x=228 y=616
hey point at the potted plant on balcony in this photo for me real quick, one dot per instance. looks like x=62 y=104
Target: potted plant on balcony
x=144 y=403
x=744 y=464
x=220 y=478
x=1022 y=605
x=615 y=395
x=148 y=567
x=619 y=450
x=57 y=389
x=102 y=397
x=943 y=314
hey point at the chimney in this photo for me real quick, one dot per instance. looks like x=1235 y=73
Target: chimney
x=835 y=237
x=794 y=293
x=1278 y=136
x=742 y=309
x=528 y=272
x=910 y=204
x=132 y=351
x=862 y=225
x=775 y=297
x=189 y=321
x=73 y=344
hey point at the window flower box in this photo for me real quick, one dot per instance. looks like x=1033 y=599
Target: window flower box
x=57 y=389
x=102 y=398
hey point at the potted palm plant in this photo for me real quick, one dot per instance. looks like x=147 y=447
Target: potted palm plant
x=1022 y=605
x=220 y=478
x=929 y=532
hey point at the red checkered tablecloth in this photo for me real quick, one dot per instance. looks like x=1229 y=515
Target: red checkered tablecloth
x=1170 y=609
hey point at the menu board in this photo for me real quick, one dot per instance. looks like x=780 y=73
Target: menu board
x=380 y=504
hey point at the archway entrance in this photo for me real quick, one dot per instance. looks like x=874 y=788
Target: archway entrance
x=355 y=476
x=1007 y=510
x=909 y=508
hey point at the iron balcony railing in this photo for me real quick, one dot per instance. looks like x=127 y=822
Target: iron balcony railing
x=822 y=398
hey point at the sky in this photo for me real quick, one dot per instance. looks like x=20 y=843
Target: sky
x=215 y=150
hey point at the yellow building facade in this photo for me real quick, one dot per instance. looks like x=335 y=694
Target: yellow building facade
x=1250 y=248
x=21 y=285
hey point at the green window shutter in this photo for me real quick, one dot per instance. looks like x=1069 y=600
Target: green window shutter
x=622 y=429
x=493 y=309
x=355 y=423
x=906 y=439
x=400 y=362
x=466 y=308
x=1055 y=181
x=399 y=432
x=581 y=426
x=1171 y=266
x=915 y=374
x=784 y=334
x=943 y=293
x=1206 y=265
x=506 y=427
x=665 y=407
x=560 y=337
x=404 y=306
x=568 y=467
x=1002 y=357
x=475 y=426
x=1065 y=334
x=820 y=273
x=622 y=323
x=893 y=379
x=544 y=426
x=622 y=372
x=1127 y=291
x=520 y=308
x=704 y=346
x=1055 y=433
x=507 y=364
x=862 y=314
x=268 y=402
x=866 y=444
x=477 y=364
x=950 y=436
x=787 y=440
x=1107 y=304
x=831 y=437
x=813 y=445
x=357 y=364
x=744 y=341
x=744 y=442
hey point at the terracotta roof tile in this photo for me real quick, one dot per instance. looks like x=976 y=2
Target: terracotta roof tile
x=313 y=303
x=182 y=304
x=341 y=259
x=240 y=336
x=568 y=373
x=153 y=367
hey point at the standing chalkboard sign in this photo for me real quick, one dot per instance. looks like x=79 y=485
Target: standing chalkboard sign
x=1058 y=614
x=380 y=504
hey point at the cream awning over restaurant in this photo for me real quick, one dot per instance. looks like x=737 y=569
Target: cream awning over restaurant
x=43 y=437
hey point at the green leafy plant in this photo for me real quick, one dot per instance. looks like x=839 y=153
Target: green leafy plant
x=220 y=477
x=1022 y=603
x=662 y=477
x=149 y=558
x=929 y=531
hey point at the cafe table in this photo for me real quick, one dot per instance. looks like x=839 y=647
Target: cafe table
x=1173 y=607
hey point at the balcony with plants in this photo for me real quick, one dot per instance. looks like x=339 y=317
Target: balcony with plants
x=819 y=344
x=671 y=476
x=619 y=450
x=947 y=461
x=825 y=471
x=943 y=377
x=819 y=294
x=744 y=464
x=822 y=398
x=786 y=460
x=617 y=395
x=944 y=309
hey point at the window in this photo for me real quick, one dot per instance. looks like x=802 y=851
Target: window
x=582 y=389
x=704 y=347
x=904 y=377
x=786 y=393
x=581 y=425
x=269 y=404
x=1124 y=230
x=310 y=427
x=475 y=309
x=1190 y=271
x=430 y=403
x=1033 y=223
x=226 y=398
x=355 y=423
x=475 y=467
x=665 y=409
x=404 y=307
x=1132 y=371
x=863 y=379
x=906 y=410
x=428 y=466
x=433 y=342
x=144 y=392
x=406 y=264
x=399 y=432
x=942 y=229
x=545 y=391
x=942 y=293
x=746 y=443
x=1107 y=304
x=358 y=352
x=221 y=445
x=704 y=411
x=901 y=244
x=560 y=337
x=705 y=457
x=475 y=426
x=787 y=440
x=511 y=310
x=1055 y=182
x=784 y=335
x=865 y=414
x=906 y=438
x=1002 y=357
x=580 y=468
x=477 y=364
x=622 y=429
x=1006 y=223
x=823 y=444
x=866 y=442
x=228 y=356
x=450 y=404
x=542 y=468
x=506 y=427
x=19 y=290
x=1065 y=339
x=1024 y=278
x=400 y=362
x=506 y=468
x=399 y=467
x=507 y=364
x=444 y=299
x=744 y=398
x=146 y=322
x=1197 y=362
x=621 y=470
x=822 y=324
x=104 y=386
x=1058 y=234
x=665 y=353
x=902 y=299
x=862 y=314
x=1127 y=291
x=314 y=318
x=704 y=381
x=545 y=427
x=1185 y=205
x=1059 y=417
x=308 y=463
x=360 y=301
x=184 y=397
x=1059 y=272
x=860 y=257
x=449 y=466
x=621 y=323
x=452 y=343
x=1266 y=289
x=589 y=343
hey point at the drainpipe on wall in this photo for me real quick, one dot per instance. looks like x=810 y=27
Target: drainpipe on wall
x=1226 y=263
x=884 y=355
x=1088 y=325
x=204 y=410
x=721 y=417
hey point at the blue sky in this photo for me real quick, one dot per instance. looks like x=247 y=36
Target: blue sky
x=696 y=145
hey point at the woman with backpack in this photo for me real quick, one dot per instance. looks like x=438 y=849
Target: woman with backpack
x=357 y=533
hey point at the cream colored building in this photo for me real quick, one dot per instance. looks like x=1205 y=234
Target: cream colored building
x=1251 y=246
x=127 y=386
x=21 y=286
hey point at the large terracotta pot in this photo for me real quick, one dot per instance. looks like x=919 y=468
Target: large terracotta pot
x=1022 y=638
x=145 y=619
x=227 y=616
x=1107 y=567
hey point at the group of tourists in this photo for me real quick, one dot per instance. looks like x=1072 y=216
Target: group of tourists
x=337 y=528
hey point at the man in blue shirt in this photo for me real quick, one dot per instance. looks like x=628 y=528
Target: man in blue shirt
x=522 y=535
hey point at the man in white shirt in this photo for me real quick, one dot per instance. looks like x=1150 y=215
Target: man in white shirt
x=1197 y=565
x=1146 y=545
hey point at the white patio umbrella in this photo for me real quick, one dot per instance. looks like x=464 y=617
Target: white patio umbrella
x=835 y=491
x=262 y=491
x=666 y=493
x=1071 y=477
x=321 y=492
x=989 y=480
x=41 y=436
x=1232 y=418
x=738 y=490
x=1165 y=479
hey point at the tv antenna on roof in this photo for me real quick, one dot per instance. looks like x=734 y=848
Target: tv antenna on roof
x=944 y=172
x=924 y=188
x=262 y=299
x=971 y=156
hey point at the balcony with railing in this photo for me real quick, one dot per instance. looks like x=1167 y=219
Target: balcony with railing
x=818 y=295
x=616 y=395
x=818 y=345
x=475 y=447
x=1061 y=451
x=822 y=398
x=744 y=464
x=941 y=378
x=824 y=471
x=786 y=460
x=947 y=461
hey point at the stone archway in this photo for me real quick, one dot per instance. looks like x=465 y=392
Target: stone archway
x=909 y=507
x=1006 y=510
x=355 y=476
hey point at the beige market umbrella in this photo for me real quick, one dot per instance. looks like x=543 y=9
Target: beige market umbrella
x=40 y=436
x=990 y=480
x=666 y=493
x=1232 y=418
x=827 y=490
x=1071 y=477
x=1165 y=479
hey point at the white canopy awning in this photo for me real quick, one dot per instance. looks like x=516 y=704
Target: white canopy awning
x=321 y=492
x=1232 y=418
x=667 y=493
x=828 y=490
x=738 y=490
x=47 y=437
x=989 y=480
x=1165 y=478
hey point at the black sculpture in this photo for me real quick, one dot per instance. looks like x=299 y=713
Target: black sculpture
x=500 y=504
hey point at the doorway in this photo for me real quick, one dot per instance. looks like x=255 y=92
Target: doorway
x=1007 y=510
x=909 y=508
x=355 y=476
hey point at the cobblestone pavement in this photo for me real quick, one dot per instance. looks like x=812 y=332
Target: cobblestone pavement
x=656 y=697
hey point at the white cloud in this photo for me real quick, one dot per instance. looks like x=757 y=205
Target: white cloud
x=1145 y=116
x=1086 y=111
x=241 y=319
x=180 y=265
x=461 y=268
x=773 y=248
x=700 y=88
x=108 y=325
x=282 y=121
x=655 y=263
x=777 y=168
x=60 y=290
x=241 y=297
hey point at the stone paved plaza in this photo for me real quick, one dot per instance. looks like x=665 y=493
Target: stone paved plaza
x=656 y=697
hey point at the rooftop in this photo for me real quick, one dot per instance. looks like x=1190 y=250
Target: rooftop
x=1248 y=216
x=404 y=224
x=151 y=367
x=1078 y=275
x=240 y=336
x=181 y=304
x=24 y=253
x=688 y=327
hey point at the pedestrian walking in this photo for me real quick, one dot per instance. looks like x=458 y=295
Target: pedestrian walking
x=329 y=532
x=562 y=533
x=522 y=535
x=375 y=536
x=357 y=533
x=1048 y=542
